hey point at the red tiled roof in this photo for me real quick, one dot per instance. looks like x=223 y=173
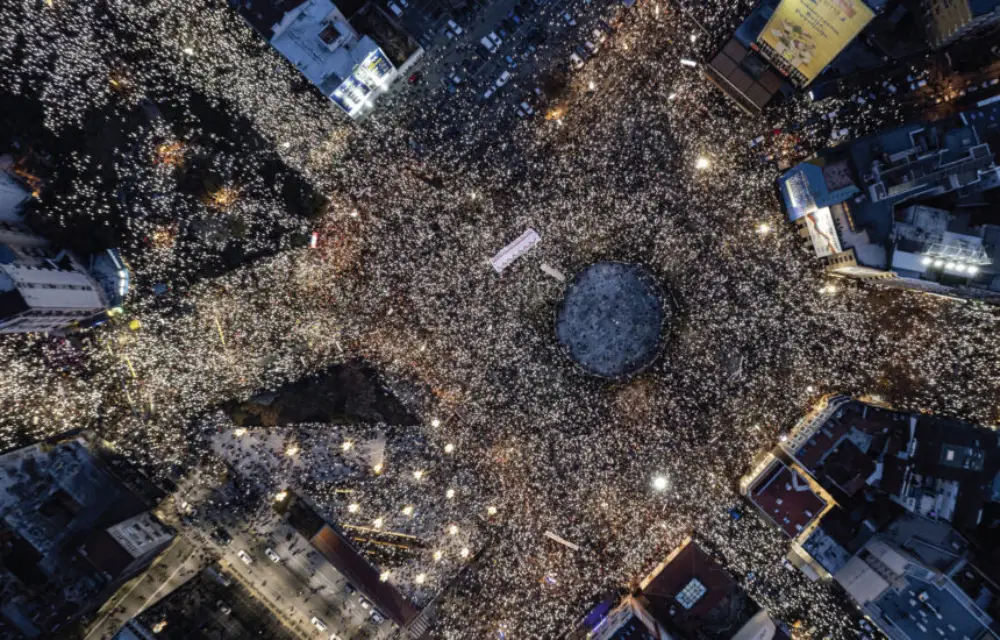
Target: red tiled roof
x=786 y=498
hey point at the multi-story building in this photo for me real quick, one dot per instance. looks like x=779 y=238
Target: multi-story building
x=43 y=289
x=72 y=531
x=896 y=489
x=352 y=52
x=689 y=595
x=951 y=20
x=864 y=207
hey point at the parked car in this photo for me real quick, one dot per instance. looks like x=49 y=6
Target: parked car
x=319 y=624
x=245 y=557
x=527 y=108
x=414 y=78
x=568 y=19
x=580 y=51
x=365 y=604
x=511 y=62
x=591 y=47
x=488 y=94
x=272 y=556
x=489 y=44
x=223 y=608
x=395 y=9
x=503 y=79
x=495 y=38
x=377 y=617
x=457 y=30
x=576 y=60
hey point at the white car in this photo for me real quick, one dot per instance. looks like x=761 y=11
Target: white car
x=576 y=60
x=569 y=19
x=489 y=44
x=599 y=36
x=272 y=556
x=502 y=80
x=245 y=557
x=488 y=94
x=495 y=38
x=527 y=108
x=395 y=9
x=319 y=624
x=590 y=46
x=457 y=30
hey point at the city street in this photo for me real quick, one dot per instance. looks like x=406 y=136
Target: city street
x=176 y=565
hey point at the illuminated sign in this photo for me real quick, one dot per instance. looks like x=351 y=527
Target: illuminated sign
x=803 y=36
x=351 y=95
x=374 y=69
x=374 y=72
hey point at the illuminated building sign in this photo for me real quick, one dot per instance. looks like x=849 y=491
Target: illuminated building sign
x=804 y=36
x=374 y=69
x=373 y=73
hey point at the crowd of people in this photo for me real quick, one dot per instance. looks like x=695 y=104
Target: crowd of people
x=650 y=166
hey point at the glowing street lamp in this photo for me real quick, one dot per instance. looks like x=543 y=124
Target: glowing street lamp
x=448 y=448
x=701 y=163
x=660 y=483
x=354 y=507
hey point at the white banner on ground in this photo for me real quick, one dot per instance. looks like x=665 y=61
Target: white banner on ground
x=562 y=541
x=514 y=250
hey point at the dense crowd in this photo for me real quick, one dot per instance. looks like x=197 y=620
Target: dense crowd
x=650 y=166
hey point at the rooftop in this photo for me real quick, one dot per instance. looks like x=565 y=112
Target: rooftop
x=690 y=594
x=786 y=498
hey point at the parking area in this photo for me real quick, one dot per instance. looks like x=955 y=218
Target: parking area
x=502 y=55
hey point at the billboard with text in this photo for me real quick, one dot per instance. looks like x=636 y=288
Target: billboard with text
x=803 y=36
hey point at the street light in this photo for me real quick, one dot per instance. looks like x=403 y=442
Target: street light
x=701 y=163
x=660 y=483
x=448 y=448
x=354 y=507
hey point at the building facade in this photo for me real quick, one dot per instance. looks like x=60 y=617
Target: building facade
x=43 y=289
x=353 y=56
x=864 y=207
x=951 y=20
x=72 y=531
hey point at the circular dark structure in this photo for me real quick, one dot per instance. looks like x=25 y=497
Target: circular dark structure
x=611 y=320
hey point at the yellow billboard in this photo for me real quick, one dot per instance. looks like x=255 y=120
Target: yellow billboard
x=803 y=36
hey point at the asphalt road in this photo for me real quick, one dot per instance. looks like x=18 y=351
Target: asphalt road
x=172 y=569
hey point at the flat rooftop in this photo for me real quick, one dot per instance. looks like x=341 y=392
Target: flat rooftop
x=923 y=611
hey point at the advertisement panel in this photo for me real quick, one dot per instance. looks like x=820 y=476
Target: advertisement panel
x=351 y=95
x=803 y=36
x=375 y=69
